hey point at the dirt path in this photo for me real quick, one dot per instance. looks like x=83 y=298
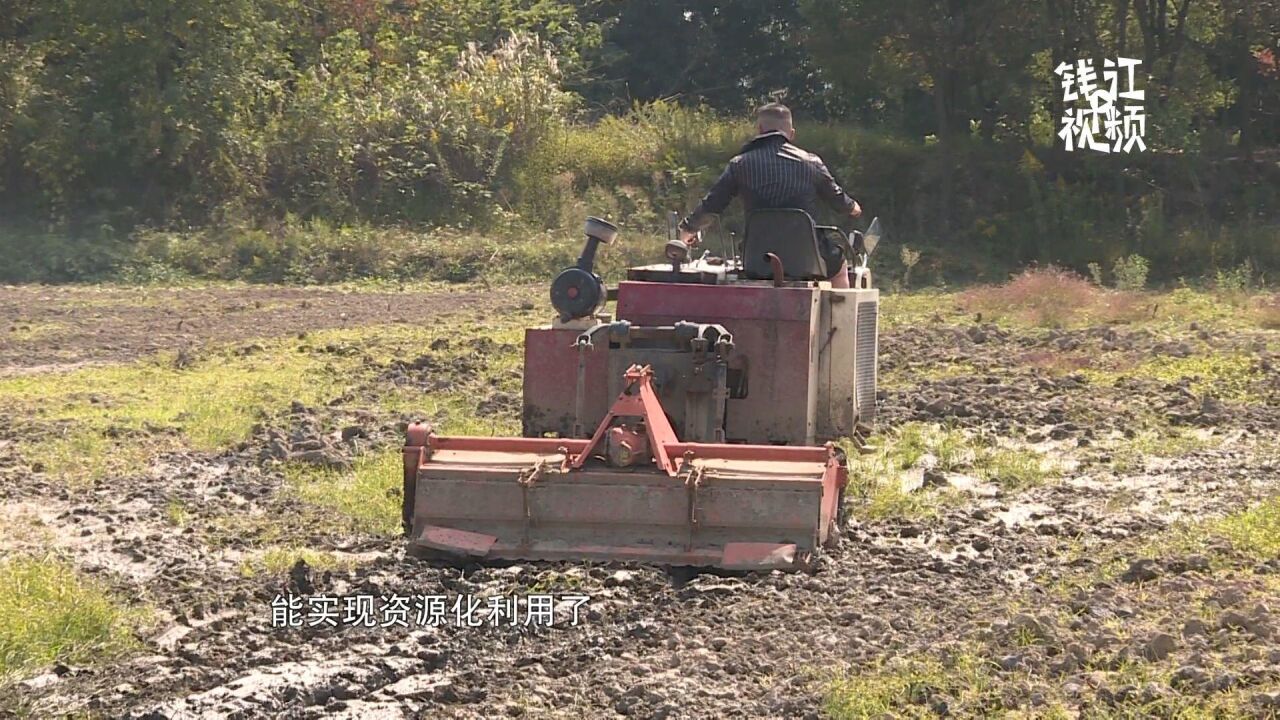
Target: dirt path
x=1013 y=576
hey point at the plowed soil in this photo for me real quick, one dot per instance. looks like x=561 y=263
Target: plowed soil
x=1015 y=577
x=44 y=328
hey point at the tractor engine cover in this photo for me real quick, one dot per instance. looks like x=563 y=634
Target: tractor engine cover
x=577 y=293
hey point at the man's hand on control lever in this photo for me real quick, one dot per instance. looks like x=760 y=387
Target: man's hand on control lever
x=678 y=249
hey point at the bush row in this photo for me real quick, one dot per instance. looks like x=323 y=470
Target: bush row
x=368 y=185
x=311 y=252
x=976 y=209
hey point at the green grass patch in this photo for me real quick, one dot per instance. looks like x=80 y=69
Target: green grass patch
x=919 y=308
x=912 y=688
x=970 y=685
x=908 y=445
x=1014 y=468
x=888 y=500
x=1255 y=531
x=1213 y=308
x=877 y=479
x=1185 y=305
x=100 y=422
x=50 y=613
x=108 y=420
x=366 y=498
x=1227 y=376
x=316 y=252
x=110 y=416
x=280 y=560
x=1162 y=442
x=28 y=331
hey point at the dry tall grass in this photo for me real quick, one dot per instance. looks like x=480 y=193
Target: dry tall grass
x=1053 y=297
x=1268 y=312
x=1046 y=297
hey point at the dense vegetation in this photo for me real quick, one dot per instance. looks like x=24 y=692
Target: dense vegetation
x=277 y=139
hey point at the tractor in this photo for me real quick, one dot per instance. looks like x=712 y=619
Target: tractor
x=695 y=425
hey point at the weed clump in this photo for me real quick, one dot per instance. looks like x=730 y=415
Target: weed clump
x=1013 y=468
x=1044 y=297
x=1268 y=312
x=1095 y=272
x=910 y=258
x=882 y=480
x=914 y=687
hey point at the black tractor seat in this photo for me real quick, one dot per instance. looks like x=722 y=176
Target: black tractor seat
x=790 y=235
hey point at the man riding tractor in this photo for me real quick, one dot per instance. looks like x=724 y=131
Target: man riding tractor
x=771 y=172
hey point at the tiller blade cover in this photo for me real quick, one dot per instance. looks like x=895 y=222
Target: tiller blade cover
x=632 y=492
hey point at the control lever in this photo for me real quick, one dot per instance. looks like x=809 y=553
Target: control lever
x=677 y=250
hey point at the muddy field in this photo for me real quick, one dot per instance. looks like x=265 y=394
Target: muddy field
x=1052 y=522
x=59 y=328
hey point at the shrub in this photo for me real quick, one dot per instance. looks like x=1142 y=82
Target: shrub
x=1235 y=280
x=1131 y=272
x=31 y=255
x=910 y=258
x=659 y=156
x=411 y=142
x=1095 y=272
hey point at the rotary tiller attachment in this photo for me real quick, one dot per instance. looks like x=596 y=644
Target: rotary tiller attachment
x=632 y=492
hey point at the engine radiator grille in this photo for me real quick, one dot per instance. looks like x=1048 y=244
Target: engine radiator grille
x=865 y=371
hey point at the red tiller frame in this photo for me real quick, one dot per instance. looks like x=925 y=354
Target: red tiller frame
x=638 y=400
x=679 y=465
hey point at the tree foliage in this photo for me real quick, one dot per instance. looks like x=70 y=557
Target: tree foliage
x=949 y=66
x=942 y=113
x=729 y=55
x=148 y=110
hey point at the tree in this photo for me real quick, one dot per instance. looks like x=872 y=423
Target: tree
x=972 y=61
x=728 y=55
